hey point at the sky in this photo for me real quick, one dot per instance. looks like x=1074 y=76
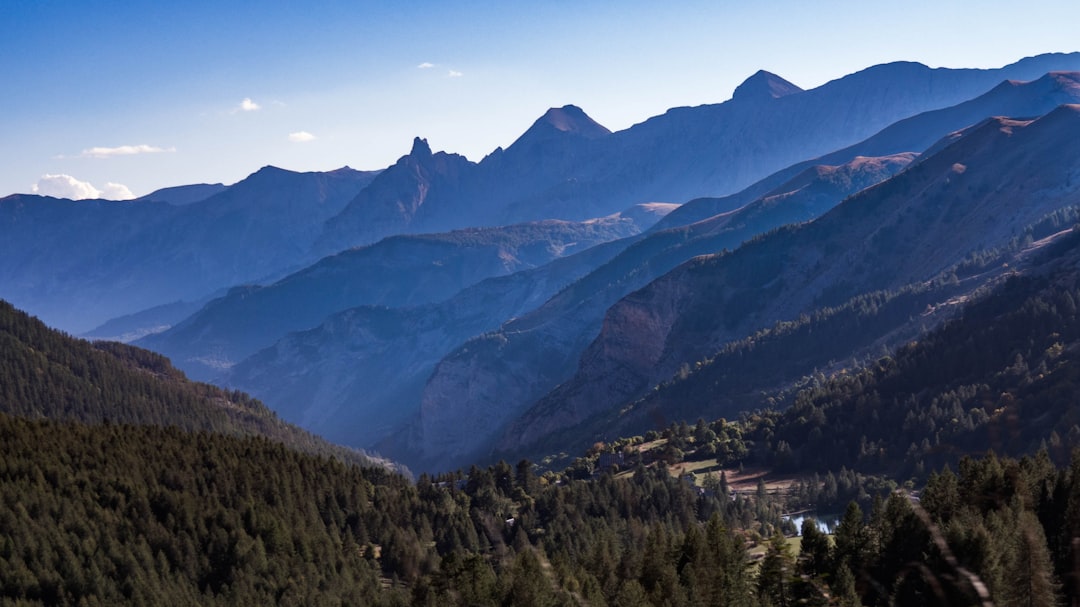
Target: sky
x=115 y=99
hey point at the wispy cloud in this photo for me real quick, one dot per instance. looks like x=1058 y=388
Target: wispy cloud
x=247 y=105
x=66 y=186
x=426 y=66
x=123 y=150
x=454 y=74
x=301 y=137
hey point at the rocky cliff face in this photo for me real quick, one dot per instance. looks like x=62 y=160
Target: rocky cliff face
x=976 y=193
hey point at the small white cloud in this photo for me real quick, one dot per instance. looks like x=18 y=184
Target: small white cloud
x=454 y=74
x=426 y=66
x=247 y=105
x=116 y=191
x=301 y=137
x=123 y=150
x=66 y=186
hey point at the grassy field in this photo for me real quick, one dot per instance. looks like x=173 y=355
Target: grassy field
x=758 y=552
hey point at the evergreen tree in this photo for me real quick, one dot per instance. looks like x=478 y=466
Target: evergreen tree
x=1028 y=579
x=815 y=551
x=775 y=573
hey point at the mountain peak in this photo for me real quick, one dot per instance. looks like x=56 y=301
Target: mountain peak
x=558 y=122
x=271 y=170
x=572 y=119
x=764 y=85
x=268 y=174
x=420 y=147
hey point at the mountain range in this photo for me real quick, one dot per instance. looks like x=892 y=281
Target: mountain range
x=77 y=264
x=397 y=271
x=447 y=310
x=504 y=375
x=563 y=167
x=954 y=203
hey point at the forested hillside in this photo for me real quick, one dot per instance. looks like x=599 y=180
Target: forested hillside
x=105 y=515
x=47 y=374
x=131 y=504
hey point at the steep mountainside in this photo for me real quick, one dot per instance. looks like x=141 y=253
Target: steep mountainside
x=783 y=363
x=358 y=376
x=397 y=271
x=1001 y=376
x=974 y=194
x=115 y=258
x=482 y=383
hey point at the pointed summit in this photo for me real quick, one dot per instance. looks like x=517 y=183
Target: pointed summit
x=572 y=119
x=558 y=123
x=420 y=148
x=763 y=86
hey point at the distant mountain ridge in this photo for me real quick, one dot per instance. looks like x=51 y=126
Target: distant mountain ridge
x=540 y=348
x=278 y=224
x=184 y=194
x=581 y=170
x=567 y=167
x=398 y=271
x=115 y=258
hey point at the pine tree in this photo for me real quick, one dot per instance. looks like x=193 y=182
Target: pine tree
x=852 y=541
x=814 y=553
x=774 y=577
x=1028 y=574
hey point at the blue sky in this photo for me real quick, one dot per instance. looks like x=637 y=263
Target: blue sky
x=111 y=97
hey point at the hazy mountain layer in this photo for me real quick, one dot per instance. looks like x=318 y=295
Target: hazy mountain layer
x=77 y=264
x=358 y=376
x=397 y=271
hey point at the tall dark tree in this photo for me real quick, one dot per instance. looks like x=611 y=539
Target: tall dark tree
x=776 y=573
